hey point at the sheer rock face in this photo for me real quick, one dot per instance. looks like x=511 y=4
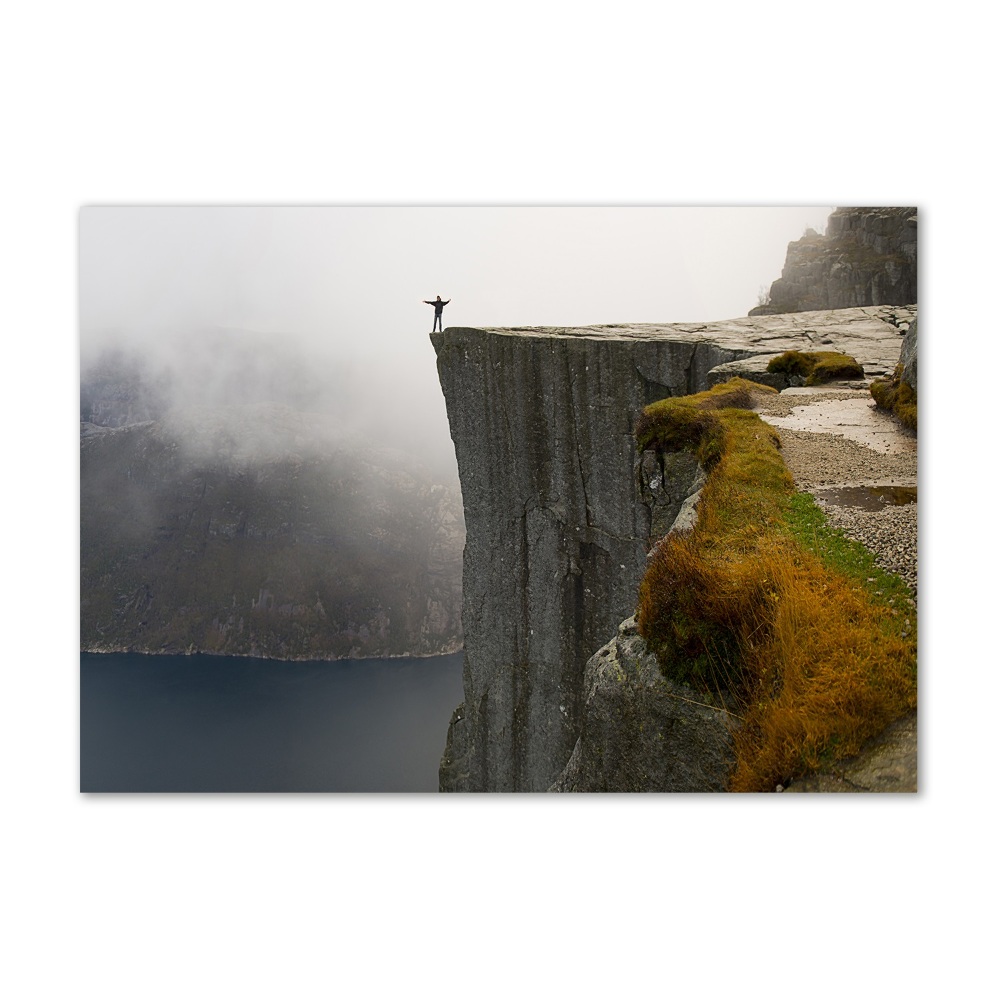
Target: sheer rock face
x=867 y=257
x=560 y=509
x=556 y=528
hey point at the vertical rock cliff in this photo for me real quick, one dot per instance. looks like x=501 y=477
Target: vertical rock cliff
x=559 y=510
x=557 y=526
x=867 y=257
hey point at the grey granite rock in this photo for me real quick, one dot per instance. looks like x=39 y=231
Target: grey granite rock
x=754 y=369
x=868 y=256
x=887 y=763
x=560 y=509
x=642 y=733
x=558 y=518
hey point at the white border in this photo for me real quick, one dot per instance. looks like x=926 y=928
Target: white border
x=219 y=102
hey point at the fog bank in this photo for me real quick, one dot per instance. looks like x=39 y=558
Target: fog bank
x=326 y=305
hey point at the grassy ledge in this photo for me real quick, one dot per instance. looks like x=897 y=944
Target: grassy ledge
x=764 y=602
x=816 y=366
x=897 y=397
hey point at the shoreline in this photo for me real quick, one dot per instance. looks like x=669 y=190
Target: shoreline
x=122 y=651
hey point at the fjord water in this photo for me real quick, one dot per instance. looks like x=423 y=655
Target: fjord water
x=233 y=724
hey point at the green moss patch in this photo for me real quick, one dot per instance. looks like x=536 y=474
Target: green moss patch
x=817 y=367
x=691 y=423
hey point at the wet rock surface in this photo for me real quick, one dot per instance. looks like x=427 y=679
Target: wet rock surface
x=850 y=415
x=868 y=497
x=852 y=445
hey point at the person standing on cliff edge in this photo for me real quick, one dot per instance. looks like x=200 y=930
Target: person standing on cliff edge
x=438 y=309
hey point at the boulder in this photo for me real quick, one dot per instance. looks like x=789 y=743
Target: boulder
x=886 y=763
x=642 y=733
x=754 y=369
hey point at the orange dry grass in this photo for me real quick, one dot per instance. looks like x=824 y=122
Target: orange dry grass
x=700 y=612
x=833 y=672
x=815 y=666
x=816 y=662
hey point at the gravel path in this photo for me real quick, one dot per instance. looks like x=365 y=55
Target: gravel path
x=827 y=459
x=889 y=534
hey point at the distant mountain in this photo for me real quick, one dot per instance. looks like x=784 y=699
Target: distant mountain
x=253 y=527
x=867 y=257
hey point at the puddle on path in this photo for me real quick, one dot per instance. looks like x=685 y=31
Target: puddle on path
x=856 y=419
x=868 y=497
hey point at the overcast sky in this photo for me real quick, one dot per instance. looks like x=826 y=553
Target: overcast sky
x=345 y=285
x=348 y=275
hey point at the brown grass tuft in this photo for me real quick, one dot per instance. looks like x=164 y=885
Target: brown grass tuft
x=897 y=397
x=835 y=670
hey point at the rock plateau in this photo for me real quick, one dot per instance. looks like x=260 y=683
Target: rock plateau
x=560 y=512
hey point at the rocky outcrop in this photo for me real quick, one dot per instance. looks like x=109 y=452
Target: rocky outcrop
x=642 y=733
x=557 y=527
x=887 y=763
x=560 y=510
x=870 y=335
x=868 y=256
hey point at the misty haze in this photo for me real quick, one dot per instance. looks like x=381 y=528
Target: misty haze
x=326 y=304
x=266 y=464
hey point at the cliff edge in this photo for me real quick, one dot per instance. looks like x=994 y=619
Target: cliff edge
x=560 y=507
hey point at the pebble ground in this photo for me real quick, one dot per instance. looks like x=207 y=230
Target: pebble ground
x=816 y=460
x=826 y=460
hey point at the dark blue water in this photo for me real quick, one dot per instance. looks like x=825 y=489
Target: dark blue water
x=222 y=724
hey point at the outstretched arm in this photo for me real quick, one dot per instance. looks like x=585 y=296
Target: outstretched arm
x=426 y=302
x=446 y=301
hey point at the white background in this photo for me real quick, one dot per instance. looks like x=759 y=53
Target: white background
x=540 y=103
